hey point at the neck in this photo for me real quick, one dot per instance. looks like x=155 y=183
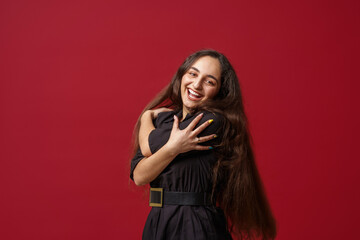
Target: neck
x=184 y=113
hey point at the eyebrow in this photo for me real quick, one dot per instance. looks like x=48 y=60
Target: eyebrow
x=210 y=76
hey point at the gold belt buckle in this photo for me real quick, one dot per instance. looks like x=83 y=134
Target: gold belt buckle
x=156 y=197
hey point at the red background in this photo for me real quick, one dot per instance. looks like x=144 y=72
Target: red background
x=75 y=75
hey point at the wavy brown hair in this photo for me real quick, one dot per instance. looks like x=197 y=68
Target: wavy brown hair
x=237 y=187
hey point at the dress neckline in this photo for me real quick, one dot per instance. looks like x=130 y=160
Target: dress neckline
x=180 y=115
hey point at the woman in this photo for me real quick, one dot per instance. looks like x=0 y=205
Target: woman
x=192 y=145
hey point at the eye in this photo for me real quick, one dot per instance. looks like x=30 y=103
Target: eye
x=211 y=82
x=192 y=74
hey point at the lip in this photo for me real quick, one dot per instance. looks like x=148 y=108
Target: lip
x=190 y=97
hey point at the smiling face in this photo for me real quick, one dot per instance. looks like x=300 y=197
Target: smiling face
x=200 y=83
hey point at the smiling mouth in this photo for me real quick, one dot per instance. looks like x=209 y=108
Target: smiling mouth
x=193 y=95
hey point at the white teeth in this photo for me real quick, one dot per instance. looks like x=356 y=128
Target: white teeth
x=194 y=93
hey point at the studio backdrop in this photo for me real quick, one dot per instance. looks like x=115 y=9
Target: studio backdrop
x=75 y=76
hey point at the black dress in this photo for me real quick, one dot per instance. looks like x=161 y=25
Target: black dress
x=188 y=172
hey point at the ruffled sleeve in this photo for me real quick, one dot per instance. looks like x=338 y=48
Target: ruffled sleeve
x=160 y=135
x=136 y=159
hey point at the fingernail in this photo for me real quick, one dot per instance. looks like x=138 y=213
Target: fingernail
x=215 y=136
x=211 y=120
x=211 y=148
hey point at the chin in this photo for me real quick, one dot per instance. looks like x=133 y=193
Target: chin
x=190 y=107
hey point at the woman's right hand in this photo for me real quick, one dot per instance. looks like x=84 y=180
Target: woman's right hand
x=186 y=140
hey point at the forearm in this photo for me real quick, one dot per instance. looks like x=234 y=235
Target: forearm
x=150 y=167
x=146 y=126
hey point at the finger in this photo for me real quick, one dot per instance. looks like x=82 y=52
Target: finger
x=176 y=123
x=195 y=121
x=160 y=110
x=203 y=148
x=165 y=109
x=206 y=138
x=202 y=126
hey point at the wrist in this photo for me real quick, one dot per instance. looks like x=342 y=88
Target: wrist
x=171 y=151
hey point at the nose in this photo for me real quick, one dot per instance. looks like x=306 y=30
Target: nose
x=197 y=84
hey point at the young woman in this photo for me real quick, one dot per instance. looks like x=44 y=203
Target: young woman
x=192 y=144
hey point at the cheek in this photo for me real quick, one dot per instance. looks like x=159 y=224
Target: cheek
x=183 y=86
x=211 y=93
x=184 y=82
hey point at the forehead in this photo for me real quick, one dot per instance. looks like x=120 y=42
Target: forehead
x=208 y=65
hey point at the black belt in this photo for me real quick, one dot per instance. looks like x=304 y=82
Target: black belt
x=160 y=197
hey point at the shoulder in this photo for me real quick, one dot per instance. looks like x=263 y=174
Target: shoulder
x=164 y=117
x=217 y=122
x=217 y=119
x=166 y=114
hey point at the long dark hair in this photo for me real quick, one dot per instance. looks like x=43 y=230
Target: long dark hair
x=237 y=186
